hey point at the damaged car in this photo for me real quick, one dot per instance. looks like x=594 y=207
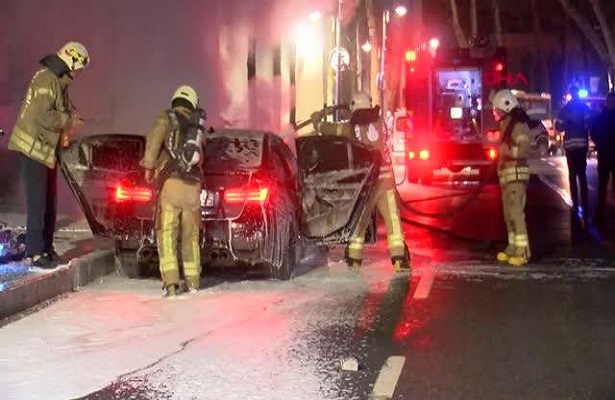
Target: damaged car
x=260 y=203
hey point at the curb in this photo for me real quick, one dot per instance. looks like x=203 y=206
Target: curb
x=37 y=288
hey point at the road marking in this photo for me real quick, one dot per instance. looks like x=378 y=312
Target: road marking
x=424 y=286
x=387 y=378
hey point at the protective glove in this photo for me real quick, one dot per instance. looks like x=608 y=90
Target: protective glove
x=149 y=175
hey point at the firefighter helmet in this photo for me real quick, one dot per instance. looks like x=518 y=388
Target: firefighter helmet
x=74 y=55
x=360 y=100
x=504 y=100
x=188 y=93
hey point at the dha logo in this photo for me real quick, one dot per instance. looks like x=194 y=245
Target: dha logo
x=496 y=78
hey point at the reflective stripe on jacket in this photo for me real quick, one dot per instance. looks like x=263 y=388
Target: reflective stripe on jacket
x=575 y=143
x=514 y=174
x=512 y=164
x=43 y=116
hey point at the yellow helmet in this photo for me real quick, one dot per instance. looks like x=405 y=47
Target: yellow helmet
x=74 y=55
x=188 y=93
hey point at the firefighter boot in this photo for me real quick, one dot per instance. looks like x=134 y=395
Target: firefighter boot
x=352 y=263
x=192 y=284
x=504 y=256
x=522 y=255
x=170 y=291
x=402 y=264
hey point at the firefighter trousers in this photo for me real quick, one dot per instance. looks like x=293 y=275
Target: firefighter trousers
x=179 y=217
x=384 y=200
x=41 y=189
x=513 y=203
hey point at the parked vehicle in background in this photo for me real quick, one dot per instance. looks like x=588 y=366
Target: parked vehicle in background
x=543 y=137
x=447 y=95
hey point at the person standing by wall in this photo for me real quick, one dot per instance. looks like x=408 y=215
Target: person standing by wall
x=45 y=120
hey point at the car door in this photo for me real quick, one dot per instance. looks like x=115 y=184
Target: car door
x=103 y=173
x=336 y=176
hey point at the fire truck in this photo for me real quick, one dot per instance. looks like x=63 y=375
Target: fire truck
x=447 y=96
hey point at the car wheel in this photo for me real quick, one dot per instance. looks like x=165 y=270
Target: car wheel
x=284 y=260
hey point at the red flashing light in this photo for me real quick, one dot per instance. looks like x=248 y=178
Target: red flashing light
x=410 y=55
x=234 y=196
x=492 y=153
x=498 y=66
x=411 y=155
x=124 y=193
x=424 y=155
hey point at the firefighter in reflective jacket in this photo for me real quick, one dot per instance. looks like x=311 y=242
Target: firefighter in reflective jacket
x=365 y=126
x=514 y=174
x=179 y=189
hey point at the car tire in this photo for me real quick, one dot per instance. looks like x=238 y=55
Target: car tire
x=284 y=260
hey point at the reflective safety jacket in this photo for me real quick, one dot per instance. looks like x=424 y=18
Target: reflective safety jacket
x=43 y=116
x=573 y=120
x=512 y=164
x=365 y=126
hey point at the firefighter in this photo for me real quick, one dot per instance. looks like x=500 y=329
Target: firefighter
x=573 y=119
x=513 y=174
x=172 y=161
x=365 y=126
x=45 y=118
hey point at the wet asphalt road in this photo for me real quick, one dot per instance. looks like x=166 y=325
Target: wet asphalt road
x=461 y=327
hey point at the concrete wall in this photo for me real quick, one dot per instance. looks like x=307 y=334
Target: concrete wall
x=141 y=50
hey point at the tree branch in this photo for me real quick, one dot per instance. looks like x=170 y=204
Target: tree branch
x=461 y=37
x=587 y=30
x=606 y=30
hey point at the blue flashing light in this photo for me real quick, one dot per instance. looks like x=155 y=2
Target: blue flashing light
x=2 y=250
x=583 y=93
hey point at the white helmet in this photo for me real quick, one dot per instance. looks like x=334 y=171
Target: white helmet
x=74 y=55
x=504 y=101
x=188 y=93
x=360 y=100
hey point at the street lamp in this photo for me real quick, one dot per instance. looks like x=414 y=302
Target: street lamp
x=401 y=11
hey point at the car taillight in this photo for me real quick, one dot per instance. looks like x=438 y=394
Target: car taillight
x=242 y=195
x=492 y=153
x=124 y=193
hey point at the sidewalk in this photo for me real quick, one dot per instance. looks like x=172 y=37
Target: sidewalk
x=23 y=286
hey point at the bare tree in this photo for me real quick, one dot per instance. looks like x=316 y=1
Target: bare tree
x=602 y=41
x=539 y=52
x=462 y=41
x=473 y=19
x=497 y=23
